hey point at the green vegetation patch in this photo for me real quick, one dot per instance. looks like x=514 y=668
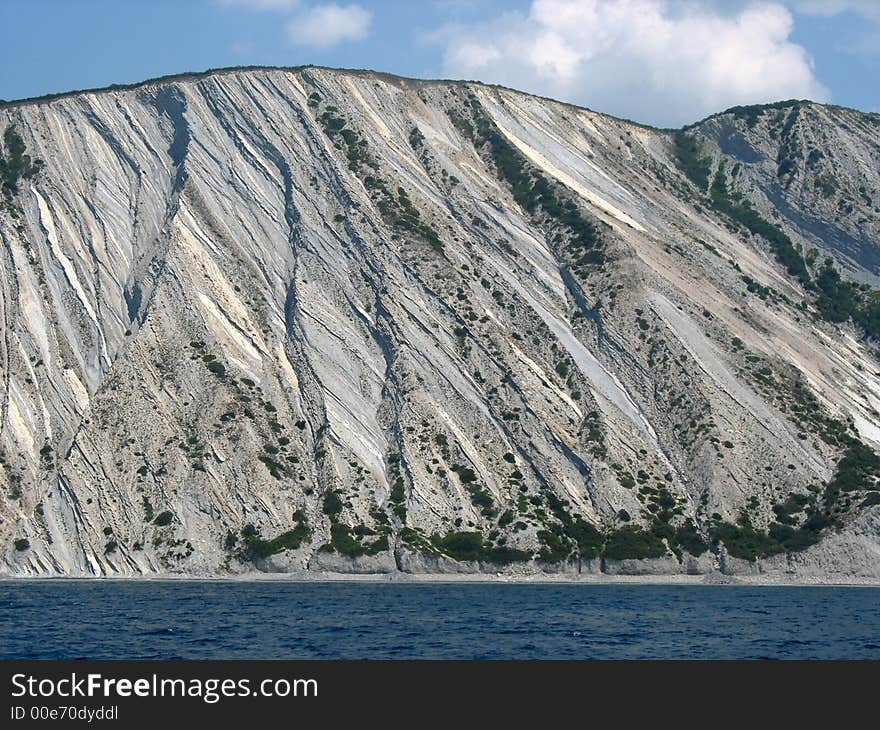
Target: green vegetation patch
x=631 y=542
x=533 y=191
x=163 y=519
x=471 y=546
x=346 y=541
x=256 y=547
x=572 y=529
x=840 y=300
x=397 y=497
x=15 y=163
x=837 y=300
x=396 y=208
x=858 y=471
x=690 y=158
x=332 y=504
x=735 y=206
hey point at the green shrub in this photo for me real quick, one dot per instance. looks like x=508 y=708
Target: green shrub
x=342 y=541
x=347 y=542
x=626 y=481
x=826 y=185
x=632 y=542
x=256 y=547
x=587 y=538
x=555 y=546
x=332 y=504
x=397 y=492
x=743 y=213
x=460 y=545
x=465 y=474
x=163 y=519
x=148 y=508
x=744 y=541
x=416 y=138
x=858 y=470
x=756 y=288
x=839 y=300
x=22 y=544
x=531 y=189
x=397 y=497
x=481 y=498
x=691 y=160
x=502 y=555
x=216 y=368
x=276 y=468
x=471 y=546
x=15 y=164
x=688 y=538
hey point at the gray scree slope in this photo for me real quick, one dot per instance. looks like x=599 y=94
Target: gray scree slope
x=311 y=319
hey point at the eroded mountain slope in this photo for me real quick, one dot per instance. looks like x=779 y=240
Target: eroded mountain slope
x=332 y=320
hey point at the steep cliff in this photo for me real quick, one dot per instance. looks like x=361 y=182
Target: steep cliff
x=331 y=320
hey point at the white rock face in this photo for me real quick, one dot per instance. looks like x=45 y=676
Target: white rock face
x=294 y=320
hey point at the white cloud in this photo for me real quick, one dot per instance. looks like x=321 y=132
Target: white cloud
x=326 y=25
x=656 y=61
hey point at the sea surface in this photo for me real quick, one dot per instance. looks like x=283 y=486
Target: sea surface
x=286 y=620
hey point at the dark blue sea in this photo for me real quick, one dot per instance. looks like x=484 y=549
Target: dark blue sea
x=276 y=620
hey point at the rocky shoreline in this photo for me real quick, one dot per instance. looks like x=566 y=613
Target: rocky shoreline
x=715 y=578
x=707 y=569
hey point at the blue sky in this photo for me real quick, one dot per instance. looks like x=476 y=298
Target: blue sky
x=664 y=62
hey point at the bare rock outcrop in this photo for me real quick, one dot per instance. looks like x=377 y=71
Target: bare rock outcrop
x=308 y=319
